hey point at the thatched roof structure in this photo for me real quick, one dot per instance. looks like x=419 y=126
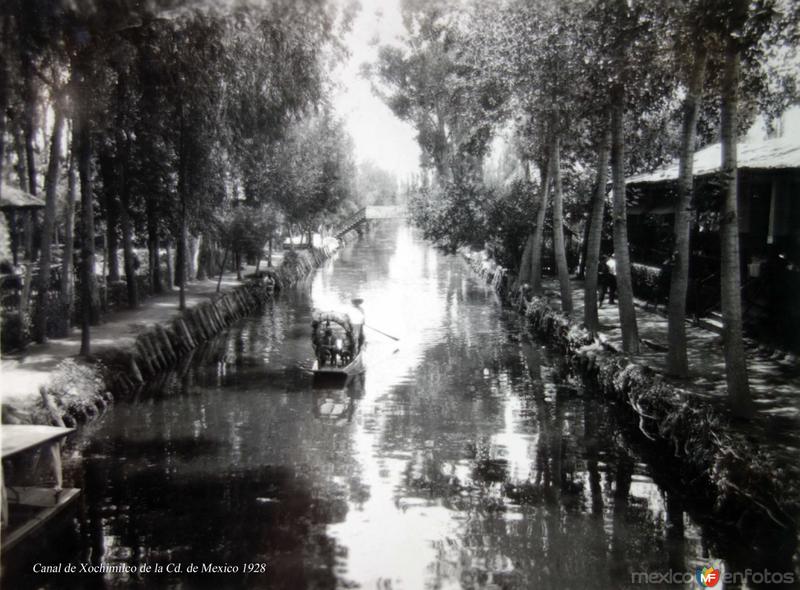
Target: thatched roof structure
x=13 y=198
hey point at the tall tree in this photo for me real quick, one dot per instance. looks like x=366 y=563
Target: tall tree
x=541 y=52
x=730 y=271
x=545 y=170
x=625 y=23
x=67 y=270
x=441 y=81
x=590 y=317
x=558 y=233
x=83 y=150
x=677 y=362
x=51 y=183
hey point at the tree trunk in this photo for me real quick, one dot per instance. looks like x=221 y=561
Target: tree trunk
x=29 y=118
x=112 y=222
x=538 y=230
x=25 y=293
x=203 y=255
x=123 y=141
x=558 y=233
x=51 y=183
x=29 y=133
x=3 y=105
x=127 y=242
x=22 y=176
x=627 y=312
x=67 y=279
x=596 y=235
x=180 y=265
x=193 y=247
x=103 y=280
x=677 y=362
x=19 y=150
x=269 y=259
x=84 y=153
x=222 y=269
x=735 y=362
x=153 y=250
x=183 y=230
x=587 y=227
x=170 y=278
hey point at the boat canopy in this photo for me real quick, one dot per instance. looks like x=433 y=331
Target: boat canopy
x=319 y=317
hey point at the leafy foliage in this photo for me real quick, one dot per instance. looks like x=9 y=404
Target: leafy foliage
x=454 y=215
x=181 y=109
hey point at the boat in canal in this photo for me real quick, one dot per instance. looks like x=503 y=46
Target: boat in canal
x=338 y=340
x=28 y=511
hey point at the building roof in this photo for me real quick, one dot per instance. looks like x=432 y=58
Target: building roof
x=14 y=198
x=783 y=152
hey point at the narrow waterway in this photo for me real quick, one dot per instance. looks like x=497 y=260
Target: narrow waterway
x=464 y=457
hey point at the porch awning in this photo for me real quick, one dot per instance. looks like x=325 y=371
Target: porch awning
x=14 y=198
x=773 y=154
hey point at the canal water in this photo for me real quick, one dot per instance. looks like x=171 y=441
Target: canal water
x=465 y=457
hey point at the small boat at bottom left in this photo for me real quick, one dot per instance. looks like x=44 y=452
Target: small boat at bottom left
x=28 y=511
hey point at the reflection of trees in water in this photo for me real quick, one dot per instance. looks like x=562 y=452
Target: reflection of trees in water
x=266 y=514
x=190 y=471
x=573 y=521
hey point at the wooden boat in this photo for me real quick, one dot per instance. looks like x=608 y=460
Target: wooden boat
x=27 y=511
x=354 y=367
x=350 y=331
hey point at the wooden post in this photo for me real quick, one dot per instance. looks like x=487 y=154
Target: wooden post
x=137 y=374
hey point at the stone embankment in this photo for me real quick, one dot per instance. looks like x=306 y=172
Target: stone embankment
x=80 y=389
x=698 y=445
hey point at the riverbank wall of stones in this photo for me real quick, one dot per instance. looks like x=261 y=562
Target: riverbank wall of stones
x=80 y=389
x=689 y=437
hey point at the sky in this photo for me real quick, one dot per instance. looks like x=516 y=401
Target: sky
x=377 y=134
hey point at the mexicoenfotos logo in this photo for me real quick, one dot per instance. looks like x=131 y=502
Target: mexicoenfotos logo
x=712 y=575
x=708 y=576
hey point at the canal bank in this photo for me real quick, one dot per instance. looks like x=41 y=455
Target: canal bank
x=743 y=475
x=51 y=384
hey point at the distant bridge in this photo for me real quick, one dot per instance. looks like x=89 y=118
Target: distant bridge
x=385 y=212
x=370 y=212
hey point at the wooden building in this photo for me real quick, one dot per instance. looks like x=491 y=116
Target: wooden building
x=768 y=180
x=16 y=203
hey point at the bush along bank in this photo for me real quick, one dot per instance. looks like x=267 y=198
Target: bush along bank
x=80 y=389
x=741 y=484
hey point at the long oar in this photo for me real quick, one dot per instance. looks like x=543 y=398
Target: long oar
x=381 y=332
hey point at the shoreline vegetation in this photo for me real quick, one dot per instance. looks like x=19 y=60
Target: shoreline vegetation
x=740 y=481
x=79 y=389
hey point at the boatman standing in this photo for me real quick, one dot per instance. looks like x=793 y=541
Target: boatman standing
x=357 y=321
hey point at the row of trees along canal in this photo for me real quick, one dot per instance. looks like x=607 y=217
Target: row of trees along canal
x=580 y=87
x=174 y=125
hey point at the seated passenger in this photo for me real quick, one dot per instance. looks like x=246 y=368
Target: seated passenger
x=338 y=352
x=348 y=350
x=328 y=346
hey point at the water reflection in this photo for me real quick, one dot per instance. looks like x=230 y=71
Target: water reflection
x=465 y=457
